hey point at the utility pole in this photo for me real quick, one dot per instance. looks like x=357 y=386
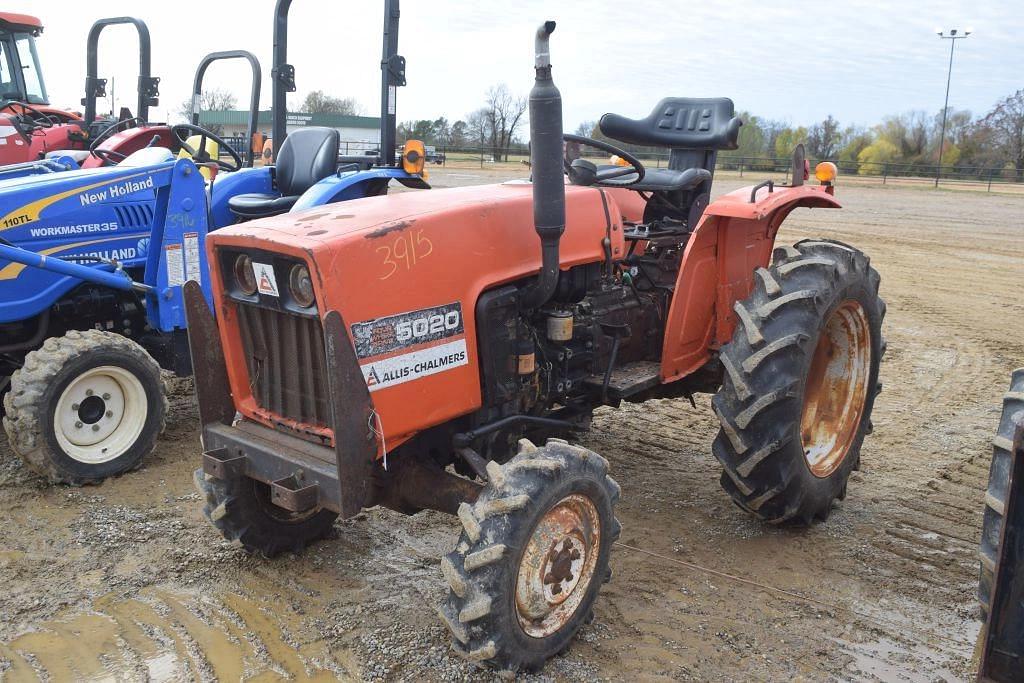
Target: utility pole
x=952 y=36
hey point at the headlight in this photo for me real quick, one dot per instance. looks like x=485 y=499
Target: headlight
x=245 y=278
x=301 y=286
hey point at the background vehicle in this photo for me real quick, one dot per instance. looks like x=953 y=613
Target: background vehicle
x=1001 y=586
x=358 y=352
x=29 y=126
x=62 y=311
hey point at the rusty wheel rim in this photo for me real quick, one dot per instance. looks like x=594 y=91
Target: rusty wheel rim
x=557 y=566
x=836 y=389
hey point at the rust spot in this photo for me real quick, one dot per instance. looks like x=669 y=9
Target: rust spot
x=836 y=389
x=388 y=229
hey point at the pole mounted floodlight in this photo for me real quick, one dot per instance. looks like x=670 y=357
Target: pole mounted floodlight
x=952 y=35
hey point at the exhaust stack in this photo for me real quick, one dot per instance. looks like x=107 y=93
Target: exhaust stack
x=546 y=163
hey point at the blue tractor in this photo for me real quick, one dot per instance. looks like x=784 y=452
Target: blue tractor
x=92 y=262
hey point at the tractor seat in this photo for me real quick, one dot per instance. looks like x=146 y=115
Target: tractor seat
x=679 y=123
x=307 y=156
x=666 y=179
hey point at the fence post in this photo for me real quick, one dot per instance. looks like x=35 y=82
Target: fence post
x=741 y=167
x=481 y=158
x=991 y=172
x=885 y=172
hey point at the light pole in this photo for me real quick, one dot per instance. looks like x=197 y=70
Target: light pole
x=952 y=36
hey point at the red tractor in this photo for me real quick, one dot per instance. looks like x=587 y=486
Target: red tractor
x=410 y=351
x=29 y=126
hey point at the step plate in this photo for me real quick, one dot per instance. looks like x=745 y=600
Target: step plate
x=628 y=379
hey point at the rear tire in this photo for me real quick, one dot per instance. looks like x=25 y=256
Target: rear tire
x=241 y=510
x=532 y=556
x=997 y=492
x=85 y=406
x=791 y=432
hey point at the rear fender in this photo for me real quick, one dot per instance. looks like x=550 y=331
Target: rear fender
x=346 y=185
x=228 y=185
x=132 y=140
x=734 y=237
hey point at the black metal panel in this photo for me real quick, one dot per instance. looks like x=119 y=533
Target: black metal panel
x=1003 y=655
x=210 y=371
x=355 y=441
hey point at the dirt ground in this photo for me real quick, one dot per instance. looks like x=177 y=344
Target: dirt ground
x=127 y=580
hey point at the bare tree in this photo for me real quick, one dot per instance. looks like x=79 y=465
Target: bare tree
x=319 y=102
x=1005 y=124
x=504 y=113
x=213 y=99
x=823 y=139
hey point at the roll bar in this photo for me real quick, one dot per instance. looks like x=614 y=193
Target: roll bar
x=254 y=92
x=282 y=74
x=392 y=66
x=95 y=87
x=392 y=76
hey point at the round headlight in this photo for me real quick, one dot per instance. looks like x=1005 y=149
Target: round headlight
x=245 y=277
x=301 y=286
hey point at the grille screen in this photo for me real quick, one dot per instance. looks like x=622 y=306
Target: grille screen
x=287 y=363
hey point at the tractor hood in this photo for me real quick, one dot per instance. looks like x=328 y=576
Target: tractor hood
x=398 y=255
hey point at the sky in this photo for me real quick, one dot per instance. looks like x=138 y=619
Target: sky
x=797 y=62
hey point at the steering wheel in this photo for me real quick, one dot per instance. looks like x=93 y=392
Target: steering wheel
x=109 y=156
x=201 y=156
x=39 y=119
x=583 y=172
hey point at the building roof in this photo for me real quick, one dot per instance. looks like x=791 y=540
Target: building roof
x=239 y=117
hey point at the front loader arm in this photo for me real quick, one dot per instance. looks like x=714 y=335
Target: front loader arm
x=734 y=237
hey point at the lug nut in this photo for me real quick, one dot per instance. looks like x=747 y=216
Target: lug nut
x=106 y=397
x=95 y=428
x=78 y=425
x=88 y=392
x=74 y=406
x=110 y=413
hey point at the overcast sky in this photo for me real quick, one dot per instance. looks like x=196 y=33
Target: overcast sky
x=792 y=61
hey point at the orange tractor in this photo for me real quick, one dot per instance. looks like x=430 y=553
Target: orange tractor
x=410 y=350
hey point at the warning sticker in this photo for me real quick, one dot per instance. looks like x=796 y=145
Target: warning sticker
x=409 y=366
x=266 y=283
x=175 y=265
x=192 y=269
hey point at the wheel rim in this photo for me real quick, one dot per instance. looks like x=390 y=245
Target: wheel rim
x=557 y=566
x=100 y=415
x=836 y=389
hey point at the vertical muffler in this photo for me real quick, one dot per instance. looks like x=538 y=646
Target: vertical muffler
x=546 y=164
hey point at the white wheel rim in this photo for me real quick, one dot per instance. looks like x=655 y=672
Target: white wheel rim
x=100 y=415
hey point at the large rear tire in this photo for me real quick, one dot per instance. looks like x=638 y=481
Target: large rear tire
x=240 y=508
x=85 y=406
x=532 y=556
x=801 y=376
x=998 y=489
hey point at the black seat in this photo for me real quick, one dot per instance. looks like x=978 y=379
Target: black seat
x=694 y=129
x=307 y=156
x=679 y=123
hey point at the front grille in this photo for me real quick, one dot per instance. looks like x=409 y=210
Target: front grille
x=287 y=363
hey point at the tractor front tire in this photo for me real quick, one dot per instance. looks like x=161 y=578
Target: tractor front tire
x=998 y=489
x=532 y=556
x=85 y=406
x=800 y=380
x=241 y=510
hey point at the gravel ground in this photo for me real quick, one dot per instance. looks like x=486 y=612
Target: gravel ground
x=126 y=580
